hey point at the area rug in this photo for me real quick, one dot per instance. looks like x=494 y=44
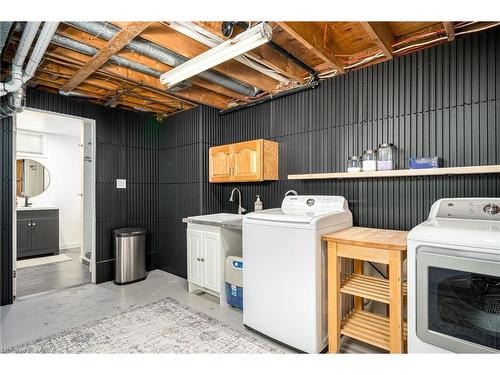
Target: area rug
x=43 y=260
x=165 y=326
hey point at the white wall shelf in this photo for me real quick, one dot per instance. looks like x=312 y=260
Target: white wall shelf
x=482 y=169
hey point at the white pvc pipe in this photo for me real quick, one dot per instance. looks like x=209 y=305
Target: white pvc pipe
x=48 y=30
x=23 y=48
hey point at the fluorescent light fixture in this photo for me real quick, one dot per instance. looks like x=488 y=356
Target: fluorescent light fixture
x=242 y=43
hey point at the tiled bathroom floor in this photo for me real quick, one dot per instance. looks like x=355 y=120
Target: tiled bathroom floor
x=38 y=279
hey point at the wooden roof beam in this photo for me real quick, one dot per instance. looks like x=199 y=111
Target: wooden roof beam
x=264 y=54
x=66 y=70
x=190 y=94
x=170 y=39
x=381 y=35
x=98 y=43
x=450 y=30
x=115 y=44
x=311 y=35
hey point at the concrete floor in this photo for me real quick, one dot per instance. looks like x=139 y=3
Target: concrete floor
x=53 y=312
x=46 y=277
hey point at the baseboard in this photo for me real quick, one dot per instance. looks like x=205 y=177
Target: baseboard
x=70 y=245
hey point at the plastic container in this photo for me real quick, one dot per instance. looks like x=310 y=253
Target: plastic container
x=386 y=156
x=424 y=163
x=234 y=281
x=258 y=206
x=370 y=160
x=354 y=164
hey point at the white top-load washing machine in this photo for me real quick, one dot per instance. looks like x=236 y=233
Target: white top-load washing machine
x=454 y=278
x=284 y=278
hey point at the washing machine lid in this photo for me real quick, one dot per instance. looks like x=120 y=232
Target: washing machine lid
x=475 y=234
x=305 y=209
x=290 y=216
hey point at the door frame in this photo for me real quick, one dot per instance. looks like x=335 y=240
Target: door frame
x=92 y=123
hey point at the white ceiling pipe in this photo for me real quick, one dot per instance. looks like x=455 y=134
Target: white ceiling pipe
x=211 y=40
x=23 y=48
x=16 y=98
x=48 y=30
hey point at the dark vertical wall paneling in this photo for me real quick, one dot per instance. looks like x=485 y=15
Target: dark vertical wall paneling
x=127 y=147
x=6 y=211
x=442 y=101
x=181 y=158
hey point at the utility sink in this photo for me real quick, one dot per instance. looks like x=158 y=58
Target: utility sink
x=220 y=217
x=222 y=220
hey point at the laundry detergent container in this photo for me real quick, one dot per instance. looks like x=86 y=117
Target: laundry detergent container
x=234 y=281
x=130 y=255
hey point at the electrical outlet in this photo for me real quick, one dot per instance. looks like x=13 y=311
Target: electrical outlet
x=121 y=183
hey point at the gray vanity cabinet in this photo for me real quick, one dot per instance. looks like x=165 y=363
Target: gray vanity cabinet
x=37 y=233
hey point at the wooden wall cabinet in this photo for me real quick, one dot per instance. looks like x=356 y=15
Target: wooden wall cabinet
x=255 y=160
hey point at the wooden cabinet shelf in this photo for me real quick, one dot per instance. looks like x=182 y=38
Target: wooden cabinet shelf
x=480 y=169
x=368 y=327
x=248 y=161
x=374 y=288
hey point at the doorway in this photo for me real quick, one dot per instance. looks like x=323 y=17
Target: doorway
x=54 y=195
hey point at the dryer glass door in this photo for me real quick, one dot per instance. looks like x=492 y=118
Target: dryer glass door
x=458 y=301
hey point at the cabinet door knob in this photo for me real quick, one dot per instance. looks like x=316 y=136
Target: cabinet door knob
x=29 y=224
x=202 y=259
x=198 y=259
x=33 y=224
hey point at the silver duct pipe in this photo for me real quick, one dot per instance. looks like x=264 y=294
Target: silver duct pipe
x=23 y=48
x=154 y=51
x=15 y=101
x=91 y=51
x=4 y=32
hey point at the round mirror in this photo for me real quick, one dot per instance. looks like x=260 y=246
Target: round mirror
x=32 y=178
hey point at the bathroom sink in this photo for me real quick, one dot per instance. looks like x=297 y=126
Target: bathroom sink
x=36 y=208
x=223 y=220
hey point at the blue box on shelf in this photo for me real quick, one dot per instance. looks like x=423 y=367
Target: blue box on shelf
x=425 y=163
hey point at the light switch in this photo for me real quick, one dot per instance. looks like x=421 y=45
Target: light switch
x=121 y=183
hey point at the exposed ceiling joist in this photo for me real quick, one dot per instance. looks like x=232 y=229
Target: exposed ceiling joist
x=265 y=55
x=197 y=94
x=129 y=31
x=189 y=48
x=312 y=36
x=381 y=35
x=450 y=30
x=98 y=43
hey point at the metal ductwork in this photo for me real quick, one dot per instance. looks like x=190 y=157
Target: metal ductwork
x=163 y=55
x=16 y=85
x=91 y=51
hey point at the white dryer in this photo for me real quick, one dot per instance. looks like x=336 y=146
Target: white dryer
x=284 y=278
x=454 y=278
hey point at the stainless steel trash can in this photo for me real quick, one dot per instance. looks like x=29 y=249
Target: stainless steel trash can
x=130 y=255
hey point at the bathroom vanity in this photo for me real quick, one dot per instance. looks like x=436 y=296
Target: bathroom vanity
x=37 y=231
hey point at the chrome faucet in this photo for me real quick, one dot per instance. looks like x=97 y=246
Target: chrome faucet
x=291 y=192
x=26 y=201
x=241 y=210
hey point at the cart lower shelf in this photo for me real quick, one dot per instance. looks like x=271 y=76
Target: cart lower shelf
x=368 y=327
x=369 y=287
